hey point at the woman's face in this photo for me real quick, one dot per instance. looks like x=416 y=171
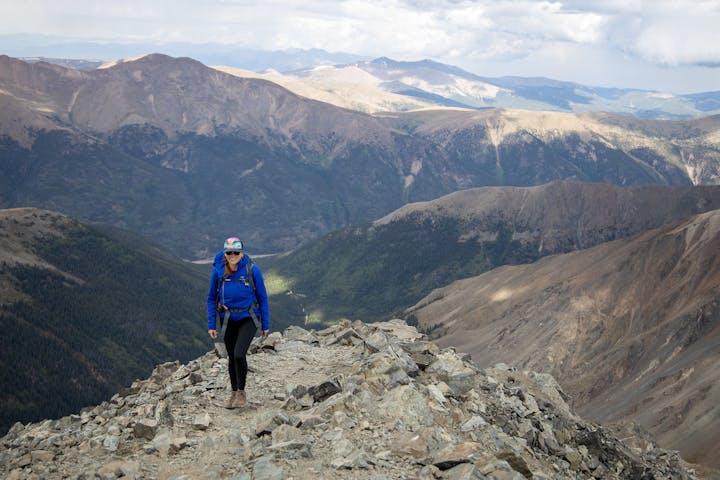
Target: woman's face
x=233 y=258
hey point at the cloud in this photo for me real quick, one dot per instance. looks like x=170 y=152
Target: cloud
x=549 y=35
x=663 y=32
x=668 y=32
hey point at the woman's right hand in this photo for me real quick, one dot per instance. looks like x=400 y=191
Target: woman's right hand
x=213 y=334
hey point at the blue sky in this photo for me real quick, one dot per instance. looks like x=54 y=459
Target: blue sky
x=672 y=46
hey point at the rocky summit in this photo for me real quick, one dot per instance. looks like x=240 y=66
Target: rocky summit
x=355 y=400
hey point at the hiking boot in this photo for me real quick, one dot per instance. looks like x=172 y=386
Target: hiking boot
x=240 y=399
x=230 y=402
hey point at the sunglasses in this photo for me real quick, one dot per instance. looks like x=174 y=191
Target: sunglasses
x=233 y=253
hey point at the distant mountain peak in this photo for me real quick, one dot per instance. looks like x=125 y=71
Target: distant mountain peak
x=115 y=63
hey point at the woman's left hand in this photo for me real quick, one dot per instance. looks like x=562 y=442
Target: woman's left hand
x=264 y=333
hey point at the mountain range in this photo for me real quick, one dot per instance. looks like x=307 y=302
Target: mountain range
x=629 y=327
x=384 y=84
x=171 y=148
x=378 y=269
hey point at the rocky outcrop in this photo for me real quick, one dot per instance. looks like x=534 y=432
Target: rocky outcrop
x=351 y=401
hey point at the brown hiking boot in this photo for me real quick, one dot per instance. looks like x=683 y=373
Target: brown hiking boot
x=230 y=402
x=240 y=399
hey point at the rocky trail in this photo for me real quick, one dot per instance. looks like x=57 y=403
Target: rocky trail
x=361 y=401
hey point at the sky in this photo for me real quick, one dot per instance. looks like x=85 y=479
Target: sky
x=667 y=45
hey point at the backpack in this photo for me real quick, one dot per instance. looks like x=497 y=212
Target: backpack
x=251 y=280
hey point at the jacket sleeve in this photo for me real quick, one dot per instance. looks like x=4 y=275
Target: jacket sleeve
x=262 y=297
x=212 y=301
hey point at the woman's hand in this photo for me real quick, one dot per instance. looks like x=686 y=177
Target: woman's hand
x=213 y=334
x=264 y=333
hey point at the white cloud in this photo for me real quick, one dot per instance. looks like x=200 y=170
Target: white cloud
x=509 y=33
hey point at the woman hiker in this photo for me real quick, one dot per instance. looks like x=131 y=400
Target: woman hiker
x=238 y=297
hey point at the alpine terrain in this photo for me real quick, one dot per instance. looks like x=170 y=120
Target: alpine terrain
x=630 y=328
x=553 y=258
x=384 y=84
x=365 y=401
x=171 y=148
x=376 y=270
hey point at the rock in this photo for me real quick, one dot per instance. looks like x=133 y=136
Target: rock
x=266 y=425
x=266 y=469
x=500 y=470
x=169 y=443
x=285 y=433
x=292 y=449
x=458 y=375
x=163 y=371
x=406 y=404
x=355 y=459
x=324 y=390
x=463 y=471
x=145 y=428
x=346 y=337
x=466 y=452
x=475 y=422
x=111 y=442
x=202 y=421
x=414 y=445
x=300 y=334
x=269 y=342
x=120 y=468
x=516 y=461
x=41 y=456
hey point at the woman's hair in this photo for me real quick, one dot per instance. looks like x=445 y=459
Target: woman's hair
x=227 y=266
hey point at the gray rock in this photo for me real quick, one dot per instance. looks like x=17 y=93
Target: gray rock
x=120 y=468
x=266 y=469
x=406 y=404
x=475 y=422
x=285 y=433
x=463 y=471
x=324 y=390
x=292 y=449
x=145 y=428
x=458 y=375
x=345 y=337
x=271 y=421
x=202 y=421
x=299 y=334
x=466 y=452
x=355 y=459
x=111 y=442
x=169 y=443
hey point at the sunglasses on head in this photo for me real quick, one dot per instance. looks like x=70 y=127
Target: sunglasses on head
x=232 y=253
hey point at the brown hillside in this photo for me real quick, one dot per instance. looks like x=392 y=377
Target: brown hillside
x=561 y=216
x=175 y=94
x=630 y=328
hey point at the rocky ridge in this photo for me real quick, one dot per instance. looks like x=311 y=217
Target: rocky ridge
x=360 y=400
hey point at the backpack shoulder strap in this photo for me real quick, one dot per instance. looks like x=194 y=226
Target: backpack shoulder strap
x=249 y=273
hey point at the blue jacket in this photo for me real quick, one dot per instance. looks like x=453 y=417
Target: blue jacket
x=236 y=293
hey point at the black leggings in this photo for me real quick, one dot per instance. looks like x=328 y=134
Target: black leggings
x=238 y=336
